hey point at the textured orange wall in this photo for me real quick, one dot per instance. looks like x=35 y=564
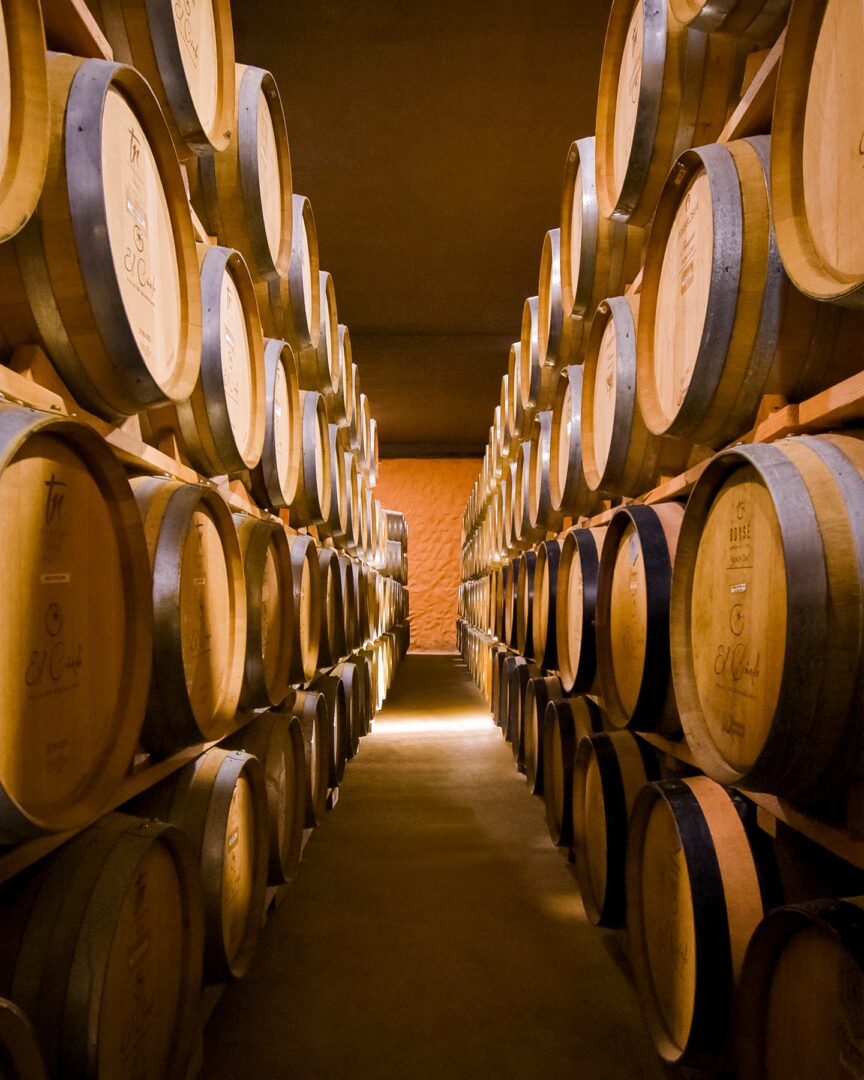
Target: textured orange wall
x=431 y=493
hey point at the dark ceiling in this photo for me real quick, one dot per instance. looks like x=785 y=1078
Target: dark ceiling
x=430 y=138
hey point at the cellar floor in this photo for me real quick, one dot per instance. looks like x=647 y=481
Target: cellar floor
x=433 y=930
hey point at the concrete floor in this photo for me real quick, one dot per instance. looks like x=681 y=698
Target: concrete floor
x=433 y=931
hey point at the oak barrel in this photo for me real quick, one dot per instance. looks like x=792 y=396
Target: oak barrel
x=541 y=514
x=108 y=964
x=556 y=331
x=632 y=618
x=538 y=693
x=565 y=723
x=311 y=503
x=320 y=370
x=220 y=802
x=308 y=601
x=223 y=422
x=331 y=637
x=336 y=523
x=620 y=456
x=310 y=708
x=576 y=605
x=20 y=1056
x=544 y=606
x=186 y=52
x=525 y=604
x=719 y=324
x=519 y=676
x=350 y=610
x=24 y=121
x=611 y=769
x=199 y=614
x=105 y=274
x=699 y=879
x=276 y=740
x=766 y=623
x=269 y=611
x=246 y=189
x=274 y=479
x=333 y=690
x=301 y=296
x=75 y=657
x=799 y=997
x=663 y=88
x=599 y=255
x=568 y=489
x=530 y=369
x=817 y=184
x=352 y=681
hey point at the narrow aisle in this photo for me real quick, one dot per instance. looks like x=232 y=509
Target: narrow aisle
x=433 y=931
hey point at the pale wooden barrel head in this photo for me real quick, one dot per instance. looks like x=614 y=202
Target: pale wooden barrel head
x=627 y=97
x=307 y=586
x=24 y=122
x=270 y=180
x=195 y=27
x=109 y=961
x=739 y=617
x=682 y=296
x=529 y=358
x=74 y=586
x=141 y=237
x=274 y=479
x=237 y=358
x=801 y=990
x=603 y=402
x=303 y=303
x=629 y=623
x=20 y=1056
x=238 y=873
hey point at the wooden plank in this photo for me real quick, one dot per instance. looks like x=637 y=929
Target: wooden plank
x=677 y=486
x=674 y=748
x=752 y=116
x=70 y=27
x=19 y=390
x=834 y=837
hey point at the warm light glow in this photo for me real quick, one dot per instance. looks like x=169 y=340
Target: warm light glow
x=421 y=725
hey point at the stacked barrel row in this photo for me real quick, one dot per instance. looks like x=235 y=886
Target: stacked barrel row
x=651 y=662
x=148 y=616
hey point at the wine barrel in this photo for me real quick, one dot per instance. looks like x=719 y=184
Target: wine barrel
x=544 y=607
x=347 y=572
x=75 y=656
x=363 y=663
x=20 y=1056
x=336 y=523
x=308 y=604
x=520 y=675
x=530 y=370
x=564 y=724
x=599 y=255
x=269 y=611
x=333 y=691
x=538 y=693
x=331 y=638
x=186 y=53
x=340 y=409
x=220 y=802
x=498 y=682
x=354 y=425
x=246 y=189
x=541 y=514
x=223 y=422
x=511 y=594
x=556 y=331
x=518 y=417
x=300 y=295
x=718 y=322
x=348 y=672
x=575 y=611
x=273 y=482
x=276 y=740
x=374 y=452
x=756 y=22
x=363 y=611
x=111 y=234
x=524 y=534
x=611 y=769
x=24 y=120
x=525 y=604
x=108 y=962
x=766 y=655
x=799 y=995
x=310 y=708
x=663 y=88
x=365 y=444
x=502 y=717
x=569 y=492
x=199 y=612
x=816 y=184
x=325 y=371
x=619 y=455
x=632 y=628
x=699 y=879
x=311 y=503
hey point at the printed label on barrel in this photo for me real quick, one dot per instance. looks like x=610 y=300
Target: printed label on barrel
x=269 y=177
x=205 y=627
x=143 y=980
x=738 y=611
x=195 y=25
x=236 y=363
x=682 y=296
x=62 y=588
x=627 y=100
x=141 y=238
